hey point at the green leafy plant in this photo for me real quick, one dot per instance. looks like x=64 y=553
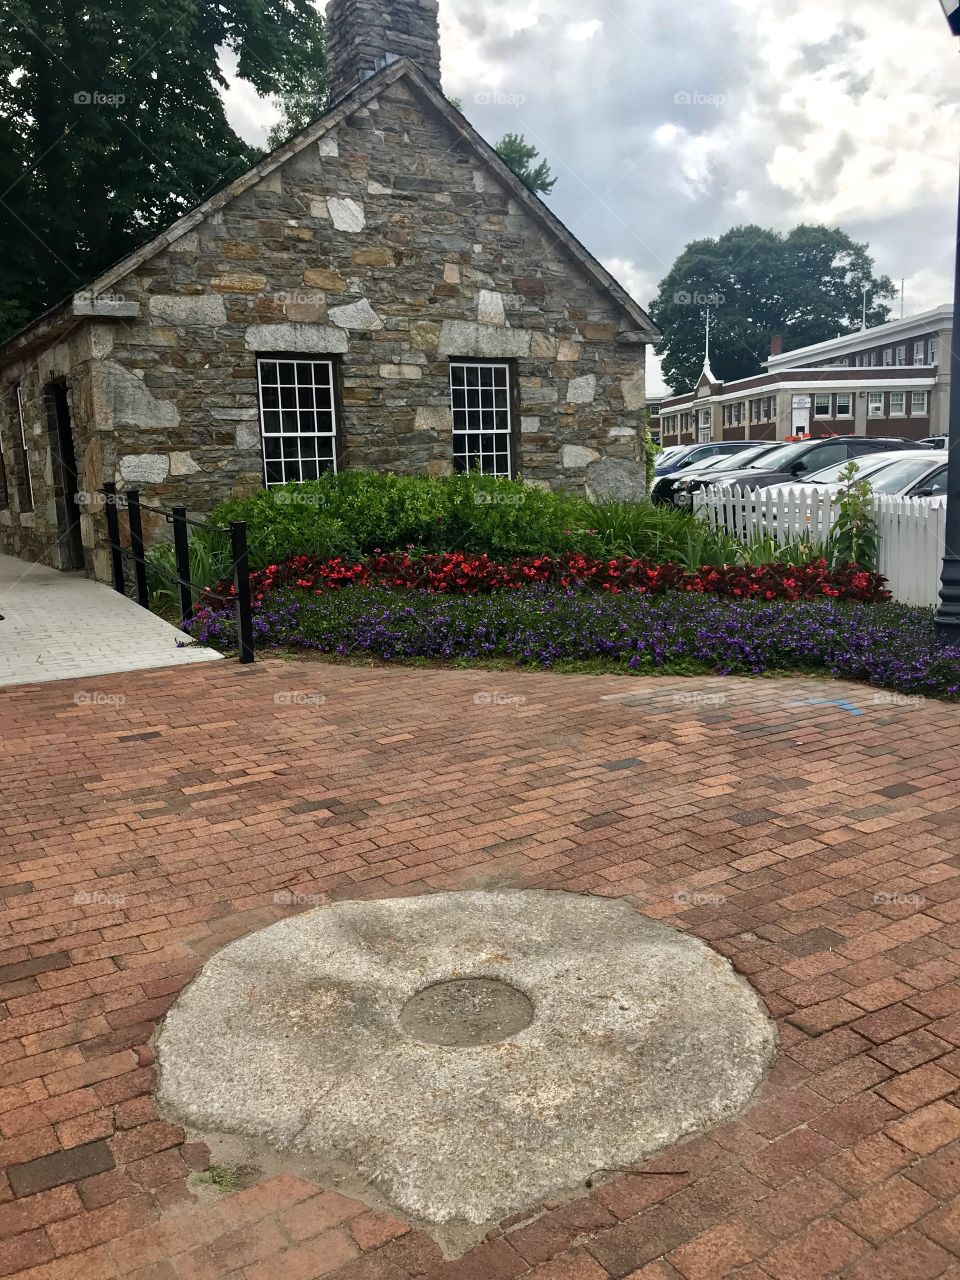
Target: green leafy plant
x=853 y=538
x=209 y=564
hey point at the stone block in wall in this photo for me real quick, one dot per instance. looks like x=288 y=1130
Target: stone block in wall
x=574 y=455
x=490 y=308
x=634 y=391
x=145 y=468
x=582 y=390
x=325 y=278
x=121 y=399
x=615 y=480
x=356 y=315
x=176 y=309
x=346 y=214
x=308 y=338
x=464 y=338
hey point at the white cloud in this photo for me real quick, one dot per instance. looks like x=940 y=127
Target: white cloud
x=584 y=30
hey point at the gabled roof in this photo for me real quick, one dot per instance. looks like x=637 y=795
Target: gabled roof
x=78 y=304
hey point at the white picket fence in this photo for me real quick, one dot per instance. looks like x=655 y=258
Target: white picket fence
x=911 y=531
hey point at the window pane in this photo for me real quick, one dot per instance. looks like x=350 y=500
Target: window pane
x=480 y=408
x=297 y=416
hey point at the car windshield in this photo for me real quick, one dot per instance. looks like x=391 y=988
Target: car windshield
x=901 y=475
x=739 y=458
x=780 y=458
x=865 y=467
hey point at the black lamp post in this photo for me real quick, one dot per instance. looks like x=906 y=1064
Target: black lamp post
x=948 y=613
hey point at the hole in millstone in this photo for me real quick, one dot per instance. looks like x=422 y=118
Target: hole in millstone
x=464 y=1012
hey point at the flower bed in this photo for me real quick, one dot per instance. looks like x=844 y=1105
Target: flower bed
x=883 y=644
x=455 y=573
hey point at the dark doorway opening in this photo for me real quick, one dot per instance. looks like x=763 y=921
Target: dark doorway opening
x=66 y=482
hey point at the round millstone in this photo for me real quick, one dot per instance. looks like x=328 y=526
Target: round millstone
x=464 y=1056
x=465 y=1012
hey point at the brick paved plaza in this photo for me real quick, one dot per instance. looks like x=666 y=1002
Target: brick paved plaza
x=805 y=829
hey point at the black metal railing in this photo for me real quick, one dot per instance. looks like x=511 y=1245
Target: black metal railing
x=129 y=501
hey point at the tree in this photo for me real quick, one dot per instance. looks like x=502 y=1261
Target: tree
x=520 y=156
x=112 y=121
x=302 y=106
x=806 y=286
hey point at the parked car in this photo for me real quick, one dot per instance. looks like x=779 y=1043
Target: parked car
x=934 y=442
x=829 y=479
x=792 y=462
x=696 y=453
x=685 y=485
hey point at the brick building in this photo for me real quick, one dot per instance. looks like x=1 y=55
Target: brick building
x=381 y=292
x=892 y=380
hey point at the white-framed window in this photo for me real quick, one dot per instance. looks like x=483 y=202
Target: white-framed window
x=902 y=354
x=728 y=415
x=482 y=421
x=898 y=404
x=844 y=404
x=704 y=435
x=918 y=404
x=875 y=404
x=298 y=420
x=771 y=408
x=933 y=350
x=821 y=406
x=919 y=349
x=888 y=355
x=738 y=412
x=654 y=436
x=24 y=478
x=874 y=357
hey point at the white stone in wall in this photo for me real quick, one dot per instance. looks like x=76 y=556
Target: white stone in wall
x=451 y=273
x=328 y=146
x=582 y=390
x=479 y=180
x=356 y=315
x=575 y=455
x=318 y=208
x=434 y=418
x=121 y=399
x=490 y=307
x=464 y=338
x=145 y=468
x=272 y=182
x=568 y=351
x=248 y=435
x=189 y=242
x=174 y=308
x=346 y=214
x=400 y=371
x=622 y=433
x=182 y=464
x=378 y=189
x=529 y=424
x=296 y=337
x=634 y=391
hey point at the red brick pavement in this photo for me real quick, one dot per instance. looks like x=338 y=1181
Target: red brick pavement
x=814 y=846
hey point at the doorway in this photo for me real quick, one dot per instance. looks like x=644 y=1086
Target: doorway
x=66 y=482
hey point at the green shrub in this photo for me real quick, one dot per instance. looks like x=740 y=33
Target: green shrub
x=209 y=564
x=357 y=512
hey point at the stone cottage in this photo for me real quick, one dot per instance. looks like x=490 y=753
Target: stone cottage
x=380 y=292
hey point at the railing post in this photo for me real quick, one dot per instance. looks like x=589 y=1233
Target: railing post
x=181 y=547
x=113 y=533
x=136 y=546
x=241 y=579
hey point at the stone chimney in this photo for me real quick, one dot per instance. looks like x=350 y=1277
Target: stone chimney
x=365 y=35
x=776 y=345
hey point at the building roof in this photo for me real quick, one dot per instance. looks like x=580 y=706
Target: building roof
x=81 y=303
x=937 y=318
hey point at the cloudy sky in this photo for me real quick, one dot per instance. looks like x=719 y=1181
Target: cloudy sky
x=669 y=121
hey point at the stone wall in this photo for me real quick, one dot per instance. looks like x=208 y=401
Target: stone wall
x=387 y=244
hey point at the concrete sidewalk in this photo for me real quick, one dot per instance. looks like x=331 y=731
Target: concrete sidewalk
x=60 y=626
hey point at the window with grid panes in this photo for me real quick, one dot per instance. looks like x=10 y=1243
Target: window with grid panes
x=480 y=400
x=298 y=419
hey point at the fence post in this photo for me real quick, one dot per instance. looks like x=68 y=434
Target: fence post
x=181 y=548
x=136 y=546
x=241 y=579
x=113 y=533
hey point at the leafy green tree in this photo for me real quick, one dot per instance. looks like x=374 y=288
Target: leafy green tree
x=806 y=286
x=301 y=106
x=112 y=122
x=520 y=155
